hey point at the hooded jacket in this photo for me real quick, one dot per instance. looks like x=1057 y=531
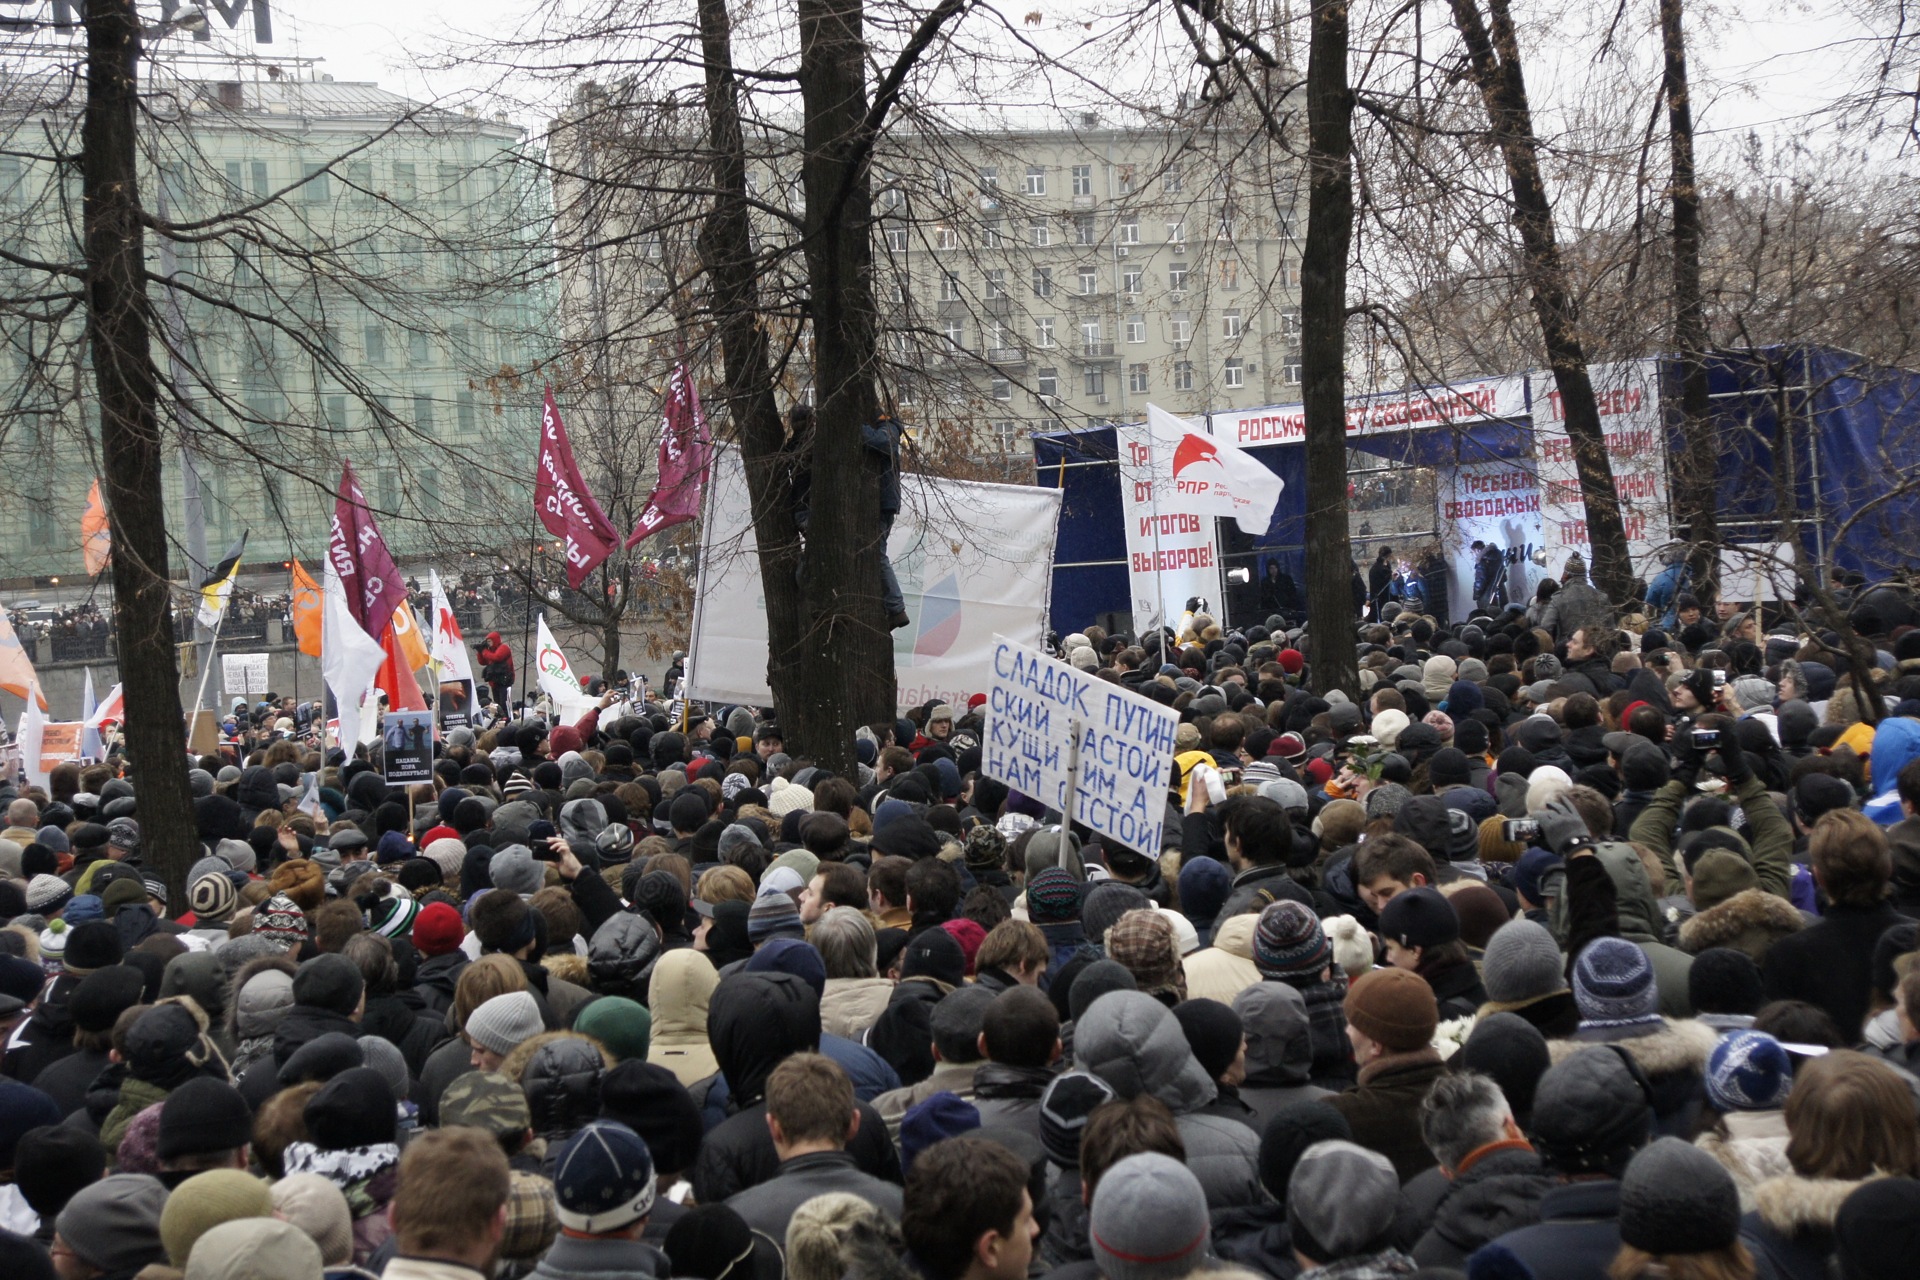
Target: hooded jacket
x=1134 y=1043
x=1768 y=846
x=1225 y=969
x=1279 y=1050
x=1674 y=1056
x=850 y=1006
x=755 y=1021
x=1639 y=922
x=1790 y=1230
x=1750 y=921
x=678 y=994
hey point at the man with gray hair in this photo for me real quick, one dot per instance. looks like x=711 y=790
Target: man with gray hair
x=855 y=995
x=1493 y=1177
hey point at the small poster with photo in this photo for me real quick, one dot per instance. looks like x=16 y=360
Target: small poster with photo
x=406 y=746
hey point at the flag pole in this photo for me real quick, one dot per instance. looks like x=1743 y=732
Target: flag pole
x=213 y=643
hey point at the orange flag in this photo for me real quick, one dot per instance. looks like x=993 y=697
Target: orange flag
x=406 y=633
x=16 y=669
x=96 y=540
x=308 y=605
x=396 y=677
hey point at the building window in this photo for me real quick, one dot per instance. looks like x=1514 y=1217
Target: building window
x=949 y=287
x=1176 y=276
x=944 y=237
x=1090 y=333
x=892 y=198
x=376 y=339
x=1225 y=231
x=1229 y=273
x=900 y=345
x=1089 y=280
x=463 y=414
x=1047 y=382
x=1130 y=280
x=1043 y=282
x=1183 y=375
x=1170 y=181
x=1236 y=372
x=262 y=186
x=904 y=393
x=1043 y=331
x=993 y=335
x=1176 y=233
x=896 y=239
x=942 y=182
x=423 y=414
x=1038 y=232
x=1123 y=179
x=997 y=283
x=1096 y=382
x=1083 y=179
x=1036 y=180
x=1130 y=230
x=956 y=331
x=1136 y=328
x=989 y=177
x=1230 y=324
x=1003 y=389
x=992 y=234
x=899 y=288
x=1006 y=434
x=1137 y=382
x=1290 y=371
x=319 y=186
x=1290 y=323
x=1083 y=228
x=1180 y=328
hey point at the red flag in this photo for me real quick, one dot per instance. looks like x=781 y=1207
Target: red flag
x=566 y=507
x=686 y=447
x=402 y=690
x=360 y=556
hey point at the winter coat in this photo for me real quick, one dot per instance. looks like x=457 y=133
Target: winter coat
x=1674 y=1056
x=415 y=1035
x=1554 y=1015
x=1576 y=1238
x=1010 y=1096
x=574 y=1258
x=850 y=1006
x=1750 y=921
x=1133 y=1042
x=1225 y=969
x=739 y=1153
x=1383 y=1109
x=1065 y=940
x=678 y=996
x=1496 y=1190
x=1257 y=1238
x=1258 y=887
x=436 y=979
x=1830 y=964
x=1615 y=898
x=769 y=1206
x=1752 y=1146
x=1456 y=989
x=1767 y=843
x=47 y=1035
x=903 y=1033
x=1791 y=1226
x=1577 y=606
x=947 y=1077
x=135 y=1096
x=66 y=1080
x=1279 y=1053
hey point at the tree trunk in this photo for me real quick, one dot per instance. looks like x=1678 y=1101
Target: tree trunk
x=804 y=697
x=1323 y=348
x=1695 y=497
x=1495 y=62
x=127 y=389
x=847 y=673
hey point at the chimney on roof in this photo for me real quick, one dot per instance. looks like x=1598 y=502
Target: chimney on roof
x=227 y=93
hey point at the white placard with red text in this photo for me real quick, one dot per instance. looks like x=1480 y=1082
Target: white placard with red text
x=1629 y=397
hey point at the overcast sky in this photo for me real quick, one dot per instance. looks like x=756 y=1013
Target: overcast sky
x=1770 y=70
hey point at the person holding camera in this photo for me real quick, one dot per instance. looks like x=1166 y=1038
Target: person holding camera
x=1767 y=845
x=496 y=666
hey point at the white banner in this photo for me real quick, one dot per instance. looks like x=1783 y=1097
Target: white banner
x=1494 y=502
x=244 y=673
x=1460 y=403
x=1173 y=556
x=1087 y=747
x=974 y=560
x=1629 y=396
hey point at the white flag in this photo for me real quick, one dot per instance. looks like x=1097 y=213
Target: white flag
x=349 y=659
x=450 y=660
x=557 y=680
x=1211 y=477
x=31 y=735
x=310 y=799
x=91 y=748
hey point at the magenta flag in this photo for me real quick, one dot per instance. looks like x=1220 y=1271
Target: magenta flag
x=359 y=554
x=686 y=449
x=566 y=506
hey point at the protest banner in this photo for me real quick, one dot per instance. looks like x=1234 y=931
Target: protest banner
x=1092 y=750
x=406 y=740
x=244 y=674
x=59 y=743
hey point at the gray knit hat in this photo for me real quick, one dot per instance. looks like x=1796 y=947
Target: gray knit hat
x=1676 y=1198
x=114 y=1224
x=1522 y=963
x=1149 y=1220
x=505 y=1022
x=1341 y=1200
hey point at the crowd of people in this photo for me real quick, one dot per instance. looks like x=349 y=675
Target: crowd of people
x=70 y=634
x=1544 y=951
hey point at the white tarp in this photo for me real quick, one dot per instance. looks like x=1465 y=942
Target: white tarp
x=1629 y=397
x=974 y=561
x=1051 y=727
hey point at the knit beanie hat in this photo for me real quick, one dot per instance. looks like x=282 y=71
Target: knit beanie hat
x=1205 y=884
x=1341 y=1200
x=46 y=894
x=203 y=1116
x=438 y=929
x=1064 y=1107
x=1105 y=903
x=354 y=1109
x=773 y=914
x=206 y=1200
x=1290 y=1133
x=1214 y=1032
x=319 y=1208
x=1877 y=1232
x=1148 y=1220
x=1288 y=942
x=280 y=921
x=713 y=1241
x=89 y=946
x=1613 y=985
x=944 y=1115
x=603 y=1179
x=1725 y=980
x=1675 y=1198
x=212 y=897
x=1420 y=918
x=1748 y=1071
x=505 y=1022
x=1053 y=897
x=114 y=1224
x=1522 y=963
x=1393 y=1008
x=1511 y=1050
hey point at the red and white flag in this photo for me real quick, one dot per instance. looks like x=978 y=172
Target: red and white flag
x=686 y=449
x=566 y=507
x=1212 y=477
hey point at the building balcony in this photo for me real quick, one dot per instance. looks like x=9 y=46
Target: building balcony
x=1005 y=355
x=1097 y=351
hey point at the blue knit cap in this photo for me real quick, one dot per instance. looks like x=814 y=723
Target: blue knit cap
x=944 y=1115
x=1749 y=1071
x=1613 y=985
x=1205 y=884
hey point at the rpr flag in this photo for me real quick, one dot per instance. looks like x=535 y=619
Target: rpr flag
x=1051 y=727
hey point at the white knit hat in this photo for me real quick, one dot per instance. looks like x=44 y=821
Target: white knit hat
x=505 y=1022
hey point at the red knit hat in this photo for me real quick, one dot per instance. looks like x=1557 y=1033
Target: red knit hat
x=976 y=702
x=438 y=929
x=441 y=832
x=1291 y=660
x=969 y=934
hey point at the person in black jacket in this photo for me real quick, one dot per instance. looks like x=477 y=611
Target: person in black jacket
x=1421 y=932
